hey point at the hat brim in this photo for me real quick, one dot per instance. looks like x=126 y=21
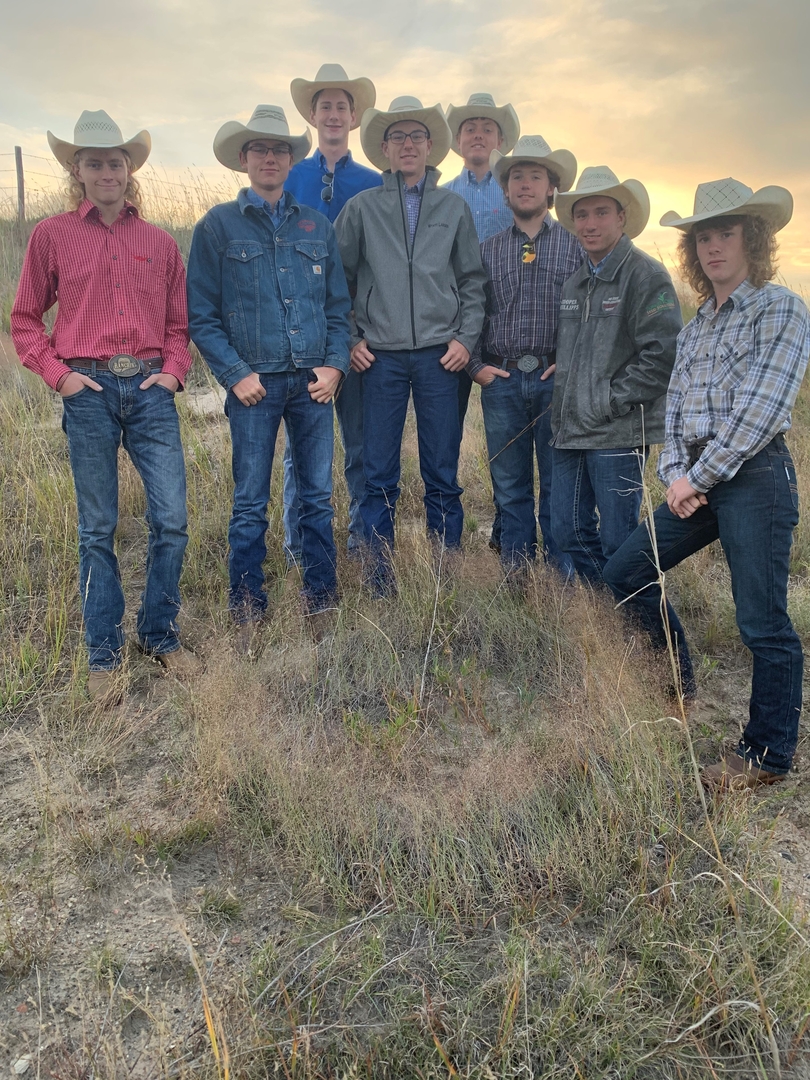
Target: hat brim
x=138 y=148
x=375 y=123
x=504 y=116
x=631 y=196
x=362 y=91
x=773 y=203
x=231 y=137
x=561 y=162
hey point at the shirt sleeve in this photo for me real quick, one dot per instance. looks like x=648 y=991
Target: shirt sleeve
x=36 y=294
x=764 y=398
x=176 y=357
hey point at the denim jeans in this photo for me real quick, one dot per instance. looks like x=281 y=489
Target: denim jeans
x=753 y=515
x=584 y=482
x=349 y=410
x=388 y=384
x=97 y=423
x=253 y=435
x=517 y=421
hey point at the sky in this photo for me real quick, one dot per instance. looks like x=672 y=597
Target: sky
x=671 y=93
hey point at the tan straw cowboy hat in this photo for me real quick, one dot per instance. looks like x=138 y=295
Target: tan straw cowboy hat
x=333 y=77
x=534 y=148
x=482 y=106
x=98 y=131
x=267 y=122
x=376 y=123
x=722 y=198
x=631 y=195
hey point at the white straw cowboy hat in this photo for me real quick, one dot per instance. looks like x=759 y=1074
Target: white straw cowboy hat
x=534 y=148
x=376 y=123
x=631 y=195
x=98 y=131
x=721 y=198
x=267 y=122
x=333 y=77
x=482 y=106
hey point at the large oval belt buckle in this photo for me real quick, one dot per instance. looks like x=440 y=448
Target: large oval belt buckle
x=528 y=363
x=124 y=364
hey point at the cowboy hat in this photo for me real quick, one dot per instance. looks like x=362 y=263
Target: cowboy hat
x=631 y=195
x=97 y=131
x=333 y=77
x=720 y=198
x=482 y=106
x=376 y=123
x=534 y=148
x=267 y=122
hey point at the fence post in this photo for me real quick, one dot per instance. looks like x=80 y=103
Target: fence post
x=20 y=183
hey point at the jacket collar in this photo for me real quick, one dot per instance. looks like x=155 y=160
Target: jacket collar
x=618 y=257
x=243 y=202
x=393 y=181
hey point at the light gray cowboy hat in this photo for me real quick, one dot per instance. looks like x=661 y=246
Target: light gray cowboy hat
x=333 y=77
x=483 y=105
x=98 y=131
x=267 y=122
x=720 y=198
x=631 y=195
x=376 y=122
x=534 y=148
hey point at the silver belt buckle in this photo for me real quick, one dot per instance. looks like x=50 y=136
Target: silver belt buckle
x=125 y=365
x=528 y=363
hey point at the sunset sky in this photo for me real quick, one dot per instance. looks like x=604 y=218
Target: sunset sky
x=670 y=93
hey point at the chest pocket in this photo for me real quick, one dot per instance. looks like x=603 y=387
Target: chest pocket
x=730 y=364
x=313 y=263
x=245 y=252
x=505 y=288
x=148 y=274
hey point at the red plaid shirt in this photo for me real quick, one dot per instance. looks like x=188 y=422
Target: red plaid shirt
x=120 y=288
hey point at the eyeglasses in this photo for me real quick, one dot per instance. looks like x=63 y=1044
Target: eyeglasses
x=328 y=179
x=529 y=252
x=398 y=137
x=279 y=151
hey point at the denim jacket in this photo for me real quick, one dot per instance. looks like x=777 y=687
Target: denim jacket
x=263 y=299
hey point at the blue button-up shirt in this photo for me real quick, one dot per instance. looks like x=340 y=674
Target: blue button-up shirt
x=486 y=201
x=275 y=211
x=306 y=182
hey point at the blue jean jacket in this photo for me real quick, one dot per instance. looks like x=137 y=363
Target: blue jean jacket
x=263 y=299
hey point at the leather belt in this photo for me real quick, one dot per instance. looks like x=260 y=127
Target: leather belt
x=527 y=362
x=122 y=364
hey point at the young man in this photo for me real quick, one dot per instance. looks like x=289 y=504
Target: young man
x=269 y=311
x=412 y=259
x=526 y=265
x=728 y=472
x=334 y=104
x=619 y=317
x=118 y=353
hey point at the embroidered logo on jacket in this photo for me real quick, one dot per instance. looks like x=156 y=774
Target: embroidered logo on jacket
x=610 y=304
x=306 y=224
x=569 y=305
x=663 y=302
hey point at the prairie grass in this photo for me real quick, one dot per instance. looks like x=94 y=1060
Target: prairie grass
x=477 y=804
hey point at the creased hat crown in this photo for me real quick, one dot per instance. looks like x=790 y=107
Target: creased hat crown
x=721 y=195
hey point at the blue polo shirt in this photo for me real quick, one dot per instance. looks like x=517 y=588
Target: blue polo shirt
x=306 y=182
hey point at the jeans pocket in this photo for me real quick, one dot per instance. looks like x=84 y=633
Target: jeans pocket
x=793 y=487
x=72 y=397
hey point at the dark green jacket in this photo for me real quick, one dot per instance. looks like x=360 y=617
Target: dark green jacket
x=615 y=353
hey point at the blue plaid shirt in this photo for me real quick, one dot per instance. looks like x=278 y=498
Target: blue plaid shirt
x=413 y=200
x=736 y=376
x=486 y=201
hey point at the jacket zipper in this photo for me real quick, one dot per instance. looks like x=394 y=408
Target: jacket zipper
x=409 y=248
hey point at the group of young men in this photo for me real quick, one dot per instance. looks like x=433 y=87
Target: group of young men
x=328 y=282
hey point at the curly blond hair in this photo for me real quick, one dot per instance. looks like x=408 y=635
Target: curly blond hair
x=759 y=245
x=74 y=188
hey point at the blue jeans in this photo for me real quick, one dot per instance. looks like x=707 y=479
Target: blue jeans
x=388 y=386
x=349 y=409
x=145 y=422
x=584 y=482
x=753 y=515
x=253 y=435
x=517 y=420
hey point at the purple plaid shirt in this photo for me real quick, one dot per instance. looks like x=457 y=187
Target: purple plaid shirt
x=523 y=299
x=413 y=200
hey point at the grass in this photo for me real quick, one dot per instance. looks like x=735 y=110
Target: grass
x=460 y=837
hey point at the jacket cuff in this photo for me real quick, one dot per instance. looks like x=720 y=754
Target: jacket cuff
x=235 y=374
x=335 y=360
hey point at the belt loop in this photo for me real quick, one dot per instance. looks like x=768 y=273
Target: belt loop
x=93 y=368
x=504 y=362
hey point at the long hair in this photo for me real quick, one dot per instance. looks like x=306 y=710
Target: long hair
x=75 y=193
x=759 y=245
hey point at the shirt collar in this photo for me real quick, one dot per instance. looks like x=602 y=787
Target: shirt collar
x=417 y=189
x=342 y=163
x=547 y=223
x=86 y=208
x=262 y=204
x=473 y=179
x=737 y=299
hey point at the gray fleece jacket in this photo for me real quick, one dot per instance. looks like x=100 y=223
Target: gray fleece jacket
x=615 y=353
x=412 y=297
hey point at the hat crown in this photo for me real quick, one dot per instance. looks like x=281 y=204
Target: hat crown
x=596 y=177
x=721 y=195
x=485 y=100
x=97 y=126
x=269 y=118
x=331 y=71
x=531 y=146
x=405 y=104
